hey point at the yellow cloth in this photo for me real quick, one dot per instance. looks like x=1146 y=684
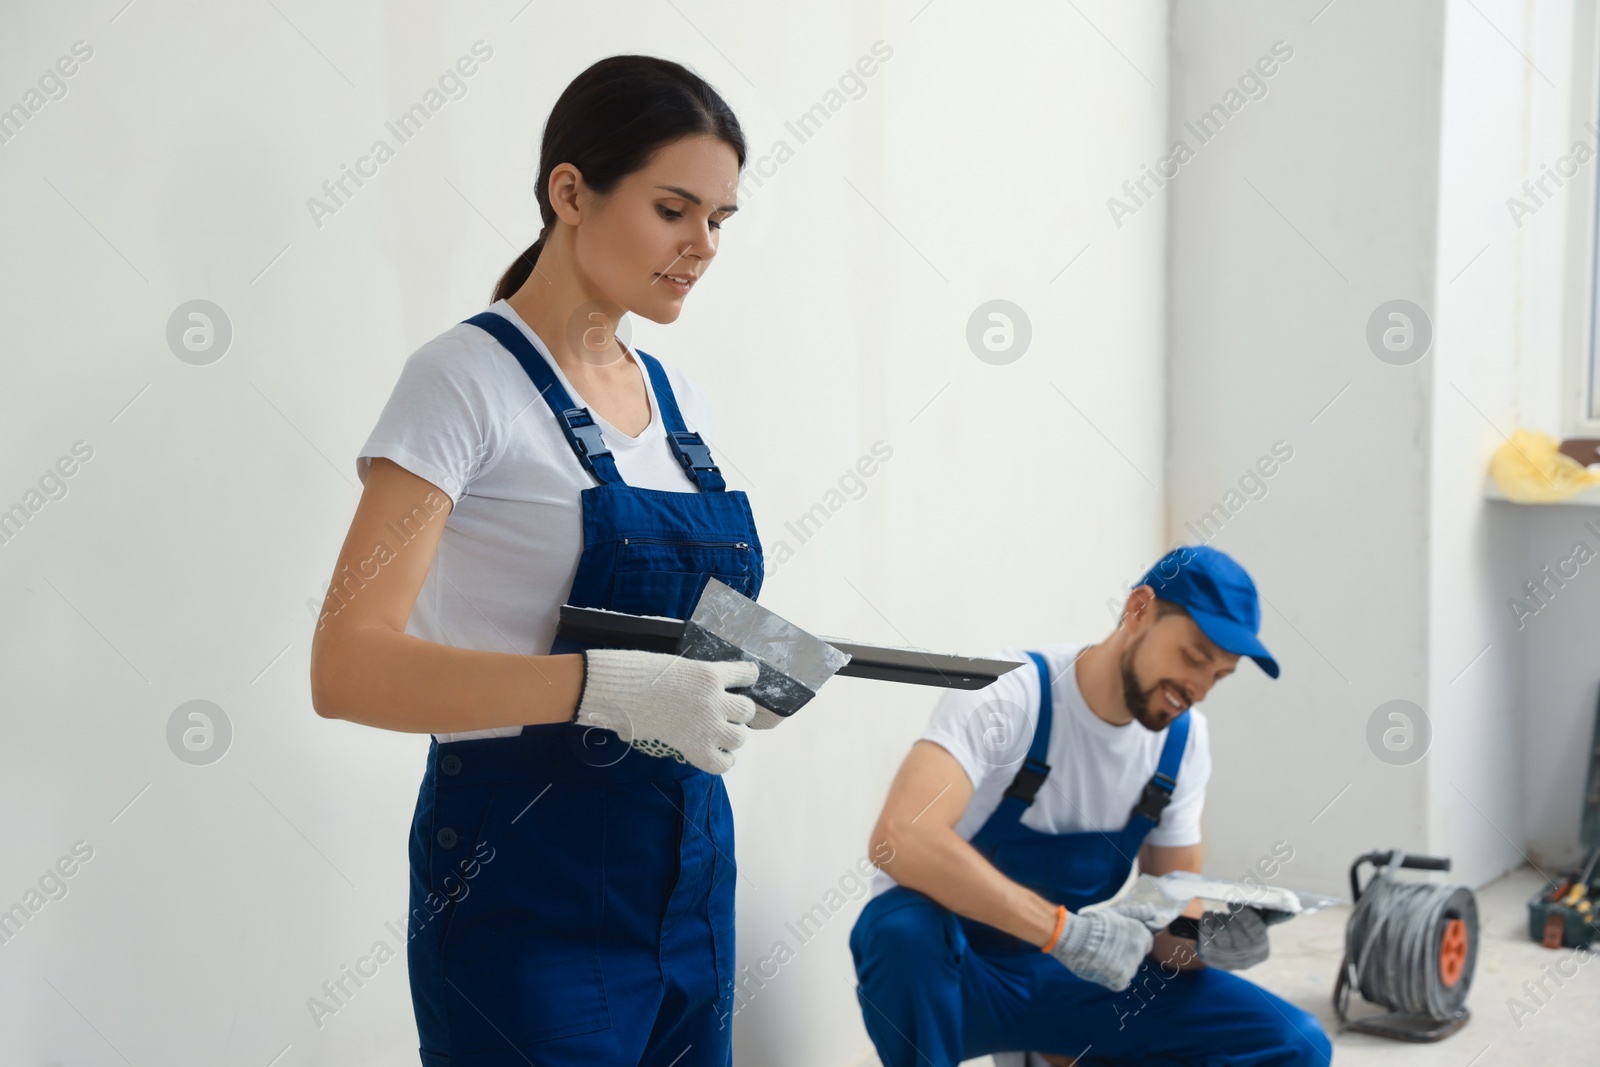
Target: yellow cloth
x=1531 y=469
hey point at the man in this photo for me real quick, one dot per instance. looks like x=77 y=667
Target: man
x=1025 y=802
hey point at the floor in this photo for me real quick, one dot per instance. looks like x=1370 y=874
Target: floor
x=1563 y=1030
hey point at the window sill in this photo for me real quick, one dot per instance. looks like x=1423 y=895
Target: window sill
x=1589 y=497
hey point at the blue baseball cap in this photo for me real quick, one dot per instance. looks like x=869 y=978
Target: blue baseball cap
x=1219 y=596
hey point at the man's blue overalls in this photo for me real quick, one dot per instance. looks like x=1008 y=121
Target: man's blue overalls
x=937 y=988
x=572 y=897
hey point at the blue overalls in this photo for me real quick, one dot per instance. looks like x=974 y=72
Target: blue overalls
x=572 y=897
x=937 y=988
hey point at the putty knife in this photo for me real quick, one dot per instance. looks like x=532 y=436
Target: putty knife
x=727 y=618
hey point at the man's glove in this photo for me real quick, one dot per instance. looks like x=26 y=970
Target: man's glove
x=666 y=705
x=1102 y=947
x=1234 y=939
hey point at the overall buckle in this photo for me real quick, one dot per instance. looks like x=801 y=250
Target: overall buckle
x=584 y=433
x=1028 y=779
x=693 y=453
x=1156 y=796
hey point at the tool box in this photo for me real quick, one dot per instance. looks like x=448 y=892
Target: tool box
x=1567 y=914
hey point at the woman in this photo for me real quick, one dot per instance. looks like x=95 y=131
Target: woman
x=572 y=874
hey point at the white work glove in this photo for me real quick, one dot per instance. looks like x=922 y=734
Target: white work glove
x=765 y=719
x=665 y=705
x=1103 y=947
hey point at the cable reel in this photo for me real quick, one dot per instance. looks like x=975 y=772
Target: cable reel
x=1410 y=947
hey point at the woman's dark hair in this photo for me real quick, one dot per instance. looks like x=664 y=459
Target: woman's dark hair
x=608 y=123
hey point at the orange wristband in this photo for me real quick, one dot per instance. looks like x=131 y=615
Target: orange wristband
x=1061 y=922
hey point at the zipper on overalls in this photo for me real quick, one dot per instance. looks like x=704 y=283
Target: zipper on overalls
x=684 y=541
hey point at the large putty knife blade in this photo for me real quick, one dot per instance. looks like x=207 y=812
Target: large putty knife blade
x=727 y=625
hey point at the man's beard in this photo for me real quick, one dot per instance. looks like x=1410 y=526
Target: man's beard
x=1143 y=703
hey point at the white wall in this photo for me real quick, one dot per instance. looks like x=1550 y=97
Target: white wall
x=1496 y=366
x=1003 y=515
x=1553 y=261
x=1558 y=701
x=1387 y=150
x=180 y=563
x=1310 y=207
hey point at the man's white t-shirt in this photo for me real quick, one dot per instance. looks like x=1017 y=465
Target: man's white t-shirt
x=1097 y=771
x=465 y=416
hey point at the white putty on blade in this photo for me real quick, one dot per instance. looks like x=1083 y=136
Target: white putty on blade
x=766 y=635
x=1180 y=887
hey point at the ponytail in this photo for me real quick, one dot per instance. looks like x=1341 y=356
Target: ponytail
x=520 y=269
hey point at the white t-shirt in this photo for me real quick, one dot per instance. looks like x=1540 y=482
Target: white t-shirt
x=465 y=416
x=1097 y=771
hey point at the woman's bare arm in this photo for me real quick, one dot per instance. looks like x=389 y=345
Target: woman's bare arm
x=367 y=669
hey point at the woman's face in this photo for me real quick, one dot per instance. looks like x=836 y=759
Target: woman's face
x=660 y=224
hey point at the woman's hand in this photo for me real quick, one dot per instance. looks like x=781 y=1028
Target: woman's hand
x=765 y=718
x=666 y=705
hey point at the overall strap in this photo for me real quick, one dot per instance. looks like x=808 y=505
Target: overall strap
x=692 y=453
x=1019 y=794
x=582 y=432
x=1158 y=790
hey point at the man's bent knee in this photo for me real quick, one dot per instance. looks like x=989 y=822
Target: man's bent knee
x=1307 y=1042
x=913 y=933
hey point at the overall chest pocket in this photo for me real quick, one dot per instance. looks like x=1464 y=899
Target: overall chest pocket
x=665 y=575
